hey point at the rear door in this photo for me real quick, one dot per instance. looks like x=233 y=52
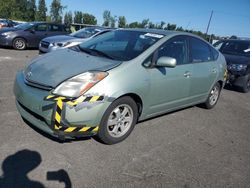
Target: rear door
x=170 y=87
x=55 y=29
x=36 y=34
x=205 y=69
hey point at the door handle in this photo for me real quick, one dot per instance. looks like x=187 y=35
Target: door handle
x=187 y=74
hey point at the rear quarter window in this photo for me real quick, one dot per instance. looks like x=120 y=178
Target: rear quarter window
x=215 y=53
x=200 y=51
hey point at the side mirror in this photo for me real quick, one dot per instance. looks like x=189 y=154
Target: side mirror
x=166 y=62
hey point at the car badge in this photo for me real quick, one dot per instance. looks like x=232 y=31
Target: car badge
x=29 y=74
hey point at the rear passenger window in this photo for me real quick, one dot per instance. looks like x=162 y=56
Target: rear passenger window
x=215 y=53
x=200 y=51
x=41 y=27
x=55 y=28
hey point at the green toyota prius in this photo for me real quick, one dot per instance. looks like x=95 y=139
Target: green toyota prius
x=106 y=85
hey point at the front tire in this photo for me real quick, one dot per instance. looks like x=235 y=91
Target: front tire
x=213 y=96
x=19 y=44
x=118 y=121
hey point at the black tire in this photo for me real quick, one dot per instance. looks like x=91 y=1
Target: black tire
x=213 y=96
x=19 y=44
x=112 y=133
x=246 y=87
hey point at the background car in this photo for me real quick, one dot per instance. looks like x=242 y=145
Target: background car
x=105 y=85
x=237 y=54
x=29 y=34
x=7 y=23
x=64 y=41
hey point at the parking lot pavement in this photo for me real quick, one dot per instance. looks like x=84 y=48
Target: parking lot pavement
x=193 y=147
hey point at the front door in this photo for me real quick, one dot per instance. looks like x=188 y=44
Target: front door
x=170 y=87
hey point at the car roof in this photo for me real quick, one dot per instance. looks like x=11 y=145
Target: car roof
x=162 y=32
x=156 y=31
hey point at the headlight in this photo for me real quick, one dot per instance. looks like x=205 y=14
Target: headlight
x=237 y=67
x=78 y=85
x=66 y=44
x=5 y=34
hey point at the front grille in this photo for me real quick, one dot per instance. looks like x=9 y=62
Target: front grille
x=44 y=44
x=37 y=85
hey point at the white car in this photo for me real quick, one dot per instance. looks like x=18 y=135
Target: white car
x=65 y=41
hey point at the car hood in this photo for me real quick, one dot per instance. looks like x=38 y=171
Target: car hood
x=53 y=68
x=236 y=59
x=59 y=38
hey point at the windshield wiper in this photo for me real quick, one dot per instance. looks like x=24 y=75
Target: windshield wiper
x=95 y=52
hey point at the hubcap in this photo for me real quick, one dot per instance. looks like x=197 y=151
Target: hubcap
x=19 y=44
x=120 y=120
x=214 y=95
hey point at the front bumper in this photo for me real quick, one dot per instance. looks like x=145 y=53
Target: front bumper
x=45 y=48
x=237 y=79
x=72 y=121
x=4 y=41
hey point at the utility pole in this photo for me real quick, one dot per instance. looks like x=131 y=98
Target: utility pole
x=209 y=22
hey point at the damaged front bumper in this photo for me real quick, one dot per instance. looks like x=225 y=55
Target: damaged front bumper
x=59 y=116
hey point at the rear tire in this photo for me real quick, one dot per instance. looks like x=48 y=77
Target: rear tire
x=246 y=87
x=118 y=121
x=19 y=44
x=213 y=96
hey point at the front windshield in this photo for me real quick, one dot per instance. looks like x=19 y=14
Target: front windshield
x=241 y=48
x=85 y=33
x=24 y=26
x=121 y=45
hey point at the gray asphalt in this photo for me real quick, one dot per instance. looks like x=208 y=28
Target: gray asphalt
x=193 y=147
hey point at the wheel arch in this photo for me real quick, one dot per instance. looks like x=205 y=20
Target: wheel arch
x=137 y=100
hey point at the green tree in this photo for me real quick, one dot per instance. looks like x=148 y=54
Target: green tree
x=134 y=25
x=122 y=22
x=106 y=18
x=41 y=11
x=89 y=19
x=170 y=27
x=19 y=10
x=68 y=18
x=6 y=8
x=152 y=25
x=162 y=24
x=144 y=23
x=56 y=9
x=31 y=10
x=113 y=20
x=78 y=17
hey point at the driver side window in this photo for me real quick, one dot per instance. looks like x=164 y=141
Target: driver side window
x=175 y=48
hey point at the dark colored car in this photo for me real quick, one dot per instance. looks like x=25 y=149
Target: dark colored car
x=29 y=34
x=7 y=23
x=237 y=54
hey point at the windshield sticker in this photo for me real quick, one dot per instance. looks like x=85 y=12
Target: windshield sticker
x=247 y=50
x=154 y=35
